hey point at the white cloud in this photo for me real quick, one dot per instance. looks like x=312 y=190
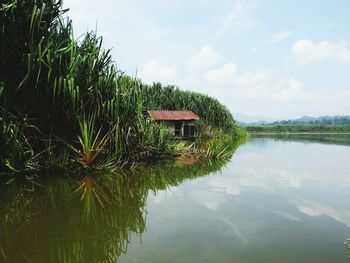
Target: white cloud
x=153 y=71
x=279 y=37
x=314 y=208
x=305 y=51
x=237 y=18
x=162 y=52
x=261 y=90
x=210 y=200
x=130 y=29
x=241 y=175
x=267 y=92
x=288 y=216
x=254 y=49
x=224 y=74
x=206 y=57
x=247 y=90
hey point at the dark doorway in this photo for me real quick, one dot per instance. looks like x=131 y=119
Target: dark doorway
x=186 y=131
x=192 y=131
x=178 y=126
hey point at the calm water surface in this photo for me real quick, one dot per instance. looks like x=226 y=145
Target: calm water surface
x=277 y=200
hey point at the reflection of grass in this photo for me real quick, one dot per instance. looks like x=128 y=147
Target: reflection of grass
x=214 y=149
x=87 y=219
x=90 y=193
x=347 y=245
x=92 y=225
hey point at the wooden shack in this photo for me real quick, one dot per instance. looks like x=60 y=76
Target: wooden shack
x=180 y=122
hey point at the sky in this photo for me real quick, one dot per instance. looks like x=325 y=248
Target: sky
x=270 y=58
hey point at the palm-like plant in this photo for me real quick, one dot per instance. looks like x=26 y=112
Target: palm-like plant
x=92 y=144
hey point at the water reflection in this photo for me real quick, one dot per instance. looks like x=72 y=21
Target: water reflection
x=314 y=208
x=54 y=225
x=336 y=139
x=87 y=219
x=278 y=200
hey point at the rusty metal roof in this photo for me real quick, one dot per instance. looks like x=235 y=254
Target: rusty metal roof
x=165 y=115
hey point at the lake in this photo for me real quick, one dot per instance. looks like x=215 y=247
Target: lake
x=278 y=199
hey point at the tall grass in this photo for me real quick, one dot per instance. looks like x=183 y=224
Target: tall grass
x=16 y=150
x=57 y=81
x=210 y=110
x=72 y=89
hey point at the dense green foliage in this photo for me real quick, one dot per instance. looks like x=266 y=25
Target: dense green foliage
x=63 y=101
x=51 y=83
x=298 y=129
x=211 y=111
x=324 y=120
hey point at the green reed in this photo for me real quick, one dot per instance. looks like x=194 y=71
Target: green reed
x=71 y=88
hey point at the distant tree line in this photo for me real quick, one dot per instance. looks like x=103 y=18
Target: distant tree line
x=336 y=120
x=306 y=128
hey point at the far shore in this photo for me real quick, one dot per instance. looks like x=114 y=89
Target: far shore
x=299 y=133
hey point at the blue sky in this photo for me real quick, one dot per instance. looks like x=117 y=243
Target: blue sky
x=277 y=59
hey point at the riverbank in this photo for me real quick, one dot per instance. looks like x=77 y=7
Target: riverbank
x=299 y=133
x=298 y=129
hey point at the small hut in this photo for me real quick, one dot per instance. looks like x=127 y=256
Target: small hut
x=180 y=122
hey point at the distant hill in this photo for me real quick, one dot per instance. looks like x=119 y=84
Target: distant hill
x=323 y=120
x=246 y=120
x=303 y=125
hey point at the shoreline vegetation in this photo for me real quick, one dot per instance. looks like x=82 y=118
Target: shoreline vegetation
x=300 y=133
x=64 y=105
x=298 y=129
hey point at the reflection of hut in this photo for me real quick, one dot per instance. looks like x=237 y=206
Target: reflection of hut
x=180 y=122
